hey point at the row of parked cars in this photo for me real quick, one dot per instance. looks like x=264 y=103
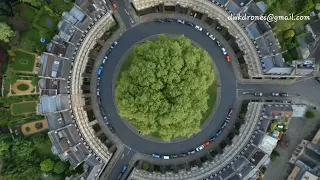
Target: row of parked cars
x=100 y=71
x=275 y=94
x=199 y=148
x=199 y=28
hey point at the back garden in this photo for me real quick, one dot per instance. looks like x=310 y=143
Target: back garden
x=25 y=148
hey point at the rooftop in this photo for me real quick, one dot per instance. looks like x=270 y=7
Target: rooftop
x=51 y=104
x=268 y=144
x=54 y=67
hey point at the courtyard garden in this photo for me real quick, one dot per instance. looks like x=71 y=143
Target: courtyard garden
x=23 y=61
x=34 y=127
x=23 y=108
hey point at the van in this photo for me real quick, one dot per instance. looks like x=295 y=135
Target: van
x=166 y=157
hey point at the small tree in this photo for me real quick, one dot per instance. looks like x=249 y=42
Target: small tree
x=288 y=34
x=27 y=129
x=242 y=115
x=274 y=155
x=39 y=125
x=60 y=167
x=310 y=115
x=6 y=32
x=46 y=165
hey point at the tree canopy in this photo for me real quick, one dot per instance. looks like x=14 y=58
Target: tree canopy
x=165 y=88
x=36 y=3
x=46 y=165
x=6 y=32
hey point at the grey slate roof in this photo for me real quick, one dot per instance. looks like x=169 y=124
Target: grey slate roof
x=51 y=104
x=239 y=163
x=54 y=67
x=233 y=7
x=249 y=152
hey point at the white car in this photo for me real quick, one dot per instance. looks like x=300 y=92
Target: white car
x=198 y=28
x=199 y=148
x=224 y=51
x=212 y=37
x=180 y=21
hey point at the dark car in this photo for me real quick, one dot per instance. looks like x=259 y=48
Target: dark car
x=169 y=20
x=159 y=20
x=191 y=152
x=218 y=133
x=205 y=32
x=317 y=79
x=190 y=24
x=182 y=154
x=173 y=156
x=111 y=129
x=212 y=139
x=230 y=113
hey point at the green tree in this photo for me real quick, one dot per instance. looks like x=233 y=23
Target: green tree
x=6 y=32
x=164 y=90
x=4 y=117
x=36 y=3
x=11 y=77
x=274 y=155
x=310 y=115
x=23 y=150
x=60 y=167
x=288 y=34
x=46 y=165
x=4 y=145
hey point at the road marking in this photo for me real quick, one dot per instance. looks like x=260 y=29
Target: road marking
x=129 y=151
x=126 y=11
x=122 y=156
x=245 y=89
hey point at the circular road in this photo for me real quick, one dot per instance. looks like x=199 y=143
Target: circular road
x=129 y=39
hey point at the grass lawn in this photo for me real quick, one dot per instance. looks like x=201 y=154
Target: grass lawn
x=211 y=102
x=23 y=61
x=60 y=6
x=47 y=21
x=23 y=108
x=32 y=35
x=25 y=11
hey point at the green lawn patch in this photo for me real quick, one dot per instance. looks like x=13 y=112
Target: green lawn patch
x=32 y=35
x=23 y=61
x=60 y=6
x=23 y=108
x=23 y=87
x=47 y=21
x=25 y=11
x=211 y=101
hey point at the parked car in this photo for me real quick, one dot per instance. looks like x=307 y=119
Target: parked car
x=258 y=94
x=180 y=21
x=169 y=20
x=166 y=157
x=191 y=152
x=124 y=168
x=199 y=28
x=190 y=24
x=100 y=70
x=159 y=20
x=218 y=43
x=284 y=94
x=111 y=128
x=224 y=51
x=114 y=4
x=205 y=32
x=317 y=79
x=199 y=148
x=207 y=143
x=114 y=44
x=212 y=139
x=212 y=37
x=182 y=154
x=228 y=58
x=173 y=156
x=275 y=94
x=98 y=92
x=229 y=113
x=156 y=155
x=104 y=59
x=218 y=133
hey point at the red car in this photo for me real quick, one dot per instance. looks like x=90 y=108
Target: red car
x=114 y=5
x=207 y=143
x=228 y=58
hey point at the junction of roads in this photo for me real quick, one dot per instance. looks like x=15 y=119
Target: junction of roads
x=94 y=134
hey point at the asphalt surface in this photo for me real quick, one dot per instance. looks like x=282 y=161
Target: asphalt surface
x=131 y=139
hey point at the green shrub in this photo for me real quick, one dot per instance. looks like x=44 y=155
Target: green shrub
x=288 y=34
x=27 y=129
x=310 y=115
x=146 y=166
x=274 y=155
x=39 y=125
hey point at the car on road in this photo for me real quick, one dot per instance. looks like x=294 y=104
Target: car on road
x=229 y=113
x=173 y=156
x=218 y=43
x=317 y=79
x=205 y=32
x=212 y=139
x=98 y=92
x=182 y=154
x=111 y=128
x=212 y=37
x=224 y=125
x=207 y=143
x=258 y=94
x=228 y=58
x=284 y=94
x=98 y=81
x=199 y=28
x=199 y=148
x=169 y=20
x=180 y=21
x=156 y=155
x=166 y=157
x=100 y=70
x=104 y=59
x=275 y=94
x=124 y=168
x=224 y=51
x=159 y=20
x=114 y=44
x=191 y=152
x=218 y=133
x=190 y=24
x=114 y=4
